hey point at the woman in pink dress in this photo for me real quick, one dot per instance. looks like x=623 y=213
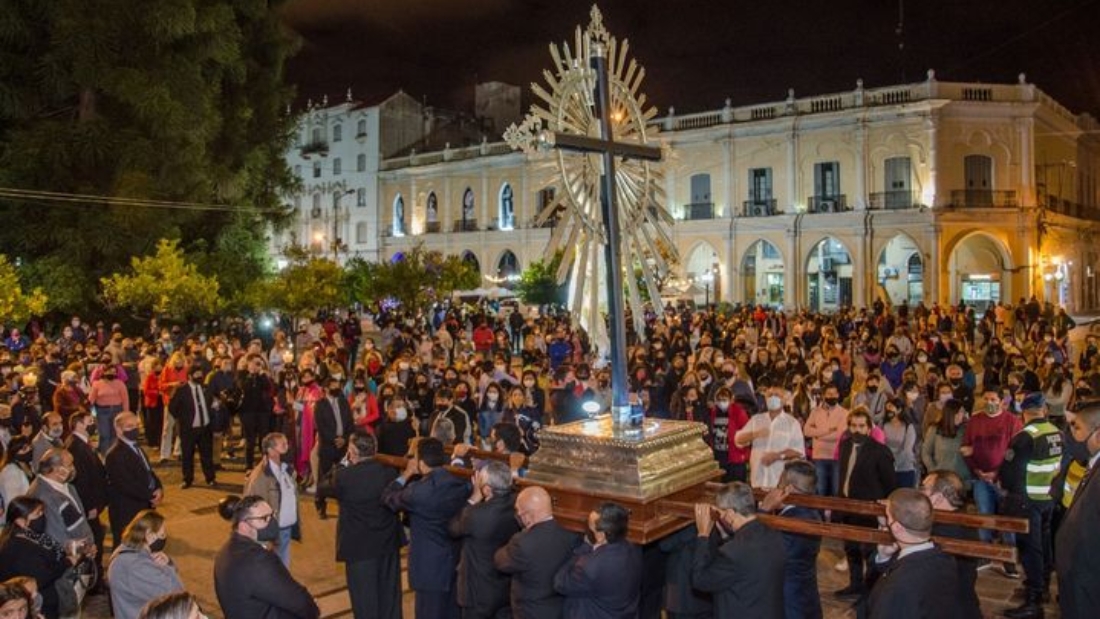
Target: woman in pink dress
x=309 y=393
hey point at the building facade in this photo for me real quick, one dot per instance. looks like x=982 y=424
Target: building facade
x=932 y=191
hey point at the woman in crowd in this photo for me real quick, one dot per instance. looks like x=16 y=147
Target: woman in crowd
x=15 y=602
x=26 y=550
x=140 y=571
x=940 y=449
x=901 y=438
x=16 y=473
x=178 y=605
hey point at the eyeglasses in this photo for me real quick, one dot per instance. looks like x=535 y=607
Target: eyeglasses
x=265 y=518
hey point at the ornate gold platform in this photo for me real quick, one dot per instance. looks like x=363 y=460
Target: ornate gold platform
x=585 y=463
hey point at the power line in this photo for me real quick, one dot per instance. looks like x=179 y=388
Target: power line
x=54 y=198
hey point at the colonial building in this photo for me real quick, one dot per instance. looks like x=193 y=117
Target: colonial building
x=932 y=191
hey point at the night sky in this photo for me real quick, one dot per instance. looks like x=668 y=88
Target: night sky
x=697 y=52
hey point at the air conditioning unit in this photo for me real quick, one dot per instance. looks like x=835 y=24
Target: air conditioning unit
x=826 y=264
x=826 y=206
x=760 y=210
x=315 y=213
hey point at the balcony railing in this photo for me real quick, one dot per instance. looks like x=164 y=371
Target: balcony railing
x=983 y=198
x=761 y=207
x=827 y=204
x=699 y=210
x=315 y=148
x=465 y=225
x=893 y=200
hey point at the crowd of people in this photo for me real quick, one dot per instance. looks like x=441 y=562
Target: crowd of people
x=921 y=407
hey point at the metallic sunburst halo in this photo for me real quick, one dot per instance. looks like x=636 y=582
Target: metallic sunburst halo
x=566 y=106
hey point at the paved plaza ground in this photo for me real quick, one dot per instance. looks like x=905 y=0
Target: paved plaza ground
x=196 y=532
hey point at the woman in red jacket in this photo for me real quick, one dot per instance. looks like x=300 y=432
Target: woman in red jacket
x=725 y=420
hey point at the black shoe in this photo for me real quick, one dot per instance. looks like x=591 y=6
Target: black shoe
x=212 y=483
x=322 y=511
x=185 y=485
x=1009 y=570
x=849 y=591
x=1031 y=609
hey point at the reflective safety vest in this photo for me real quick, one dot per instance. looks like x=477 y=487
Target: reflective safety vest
x=1075 y=472
x=1046 y=459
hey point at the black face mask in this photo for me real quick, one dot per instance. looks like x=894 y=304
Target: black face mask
x=38 y=525
x=270 y=533
x=859 y=439
x=131 y=435
x=25 y=458
x=335 y=392
x=831 y=401
x=158 y=545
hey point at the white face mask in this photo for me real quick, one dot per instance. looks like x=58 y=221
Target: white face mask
x=774 y=402
x=723 y=405
x=392 y=380
x=400 y=414
x=492 y=397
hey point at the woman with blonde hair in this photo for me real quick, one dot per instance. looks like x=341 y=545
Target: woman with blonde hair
x=140 y=571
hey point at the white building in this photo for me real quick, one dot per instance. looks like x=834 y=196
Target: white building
x=930 y=191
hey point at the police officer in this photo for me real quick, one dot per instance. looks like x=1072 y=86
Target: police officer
x=1033 y=460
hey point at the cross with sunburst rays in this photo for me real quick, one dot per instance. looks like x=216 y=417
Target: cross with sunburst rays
x=567 y=117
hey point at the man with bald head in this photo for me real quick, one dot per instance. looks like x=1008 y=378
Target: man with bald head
x=1077 y=546
x=133 y=484
x=533 y=556
x=915 y=582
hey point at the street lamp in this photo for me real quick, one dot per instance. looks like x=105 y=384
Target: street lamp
x=707 y=277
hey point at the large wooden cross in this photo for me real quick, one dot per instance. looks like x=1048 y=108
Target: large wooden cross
x=606 y=145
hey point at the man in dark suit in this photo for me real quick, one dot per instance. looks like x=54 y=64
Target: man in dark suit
x=368 y=534
x=332 y=416
x=921 y=578
x=485 y=524
x=866 y=473
x=132 y=484
x=744 y=572
x=190 y=407
x=946 y=492
x=603 y=578
x=430 y=503
x=534 y=555
x=800 y=595
x=91 y=476
x=257 y=406
x=1077 y=545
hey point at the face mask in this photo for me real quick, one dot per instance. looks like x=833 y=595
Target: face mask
x=872 y=388
x=492 y=397
x=912 y=395
x=270 y=533
x=157 y=545
x=403 y=365
x=400 y=414
x=922 y=358
x=723 y=405
x=528 y=383
x=360 y=388
x=38 y=525
x=131 y=435
x=109 y=377
x=774 y=403
x=335 y=392
x=992 y=407
x=54 y=432
x=391 y=380
x=859 y=439
x=499 y=368
x=831 y=401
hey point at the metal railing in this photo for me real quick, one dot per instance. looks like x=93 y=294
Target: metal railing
x=764 y=207
x=827 y=204
x=983 y=198
x=893 y=200
x=699 y=210
x=465 y=225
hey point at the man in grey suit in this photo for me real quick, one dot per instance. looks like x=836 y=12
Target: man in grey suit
x=48 y=437
x=65 y=516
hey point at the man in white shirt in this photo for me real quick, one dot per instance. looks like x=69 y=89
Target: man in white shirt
x=775 y=437
x=273 y=479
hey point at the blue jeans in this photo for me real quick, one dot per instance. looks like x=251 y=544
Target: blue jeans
x=828 y=482
x=988 y=498
x=282 y=546
x=485 y=422
x=105 y=424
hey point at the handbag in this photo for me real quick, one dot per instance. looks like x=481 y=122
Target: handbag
x=73 y=586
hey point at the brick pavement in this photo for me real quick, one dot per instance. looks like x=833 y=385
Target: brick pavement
x=195 y=533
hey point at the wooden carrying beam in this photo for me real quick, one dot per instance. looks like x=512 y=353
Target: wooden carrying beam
x=966 y=548
x=873 y=508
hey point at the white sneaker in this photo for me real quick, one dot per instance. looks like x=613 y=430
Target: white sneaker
x=311 y=490
x=842 y=566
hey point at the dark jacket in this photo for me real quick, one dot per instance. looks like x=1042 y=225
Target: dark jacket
x=601 y=583
x=919 y=585
x=966 y=571
x=430 y=503
x=182 y=407
x=533 y=557
x=367 y=528
x=325 y=419
x=20 y=556
x=680 y=597
x=800 y=593
x=872 y=478
x=257 y=394
x=132 y=483
x=394 y=437
x=252 y=583
x=91 y=474
x=482 y=529
x=1077 y=551
x=745 y=573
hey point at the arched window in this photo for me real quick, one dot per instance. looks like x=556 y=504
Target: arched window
x=469 y=216
x=316 y=205
x=507 y=216
x=508 y=268
x=399 y=216
x=337 y=133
